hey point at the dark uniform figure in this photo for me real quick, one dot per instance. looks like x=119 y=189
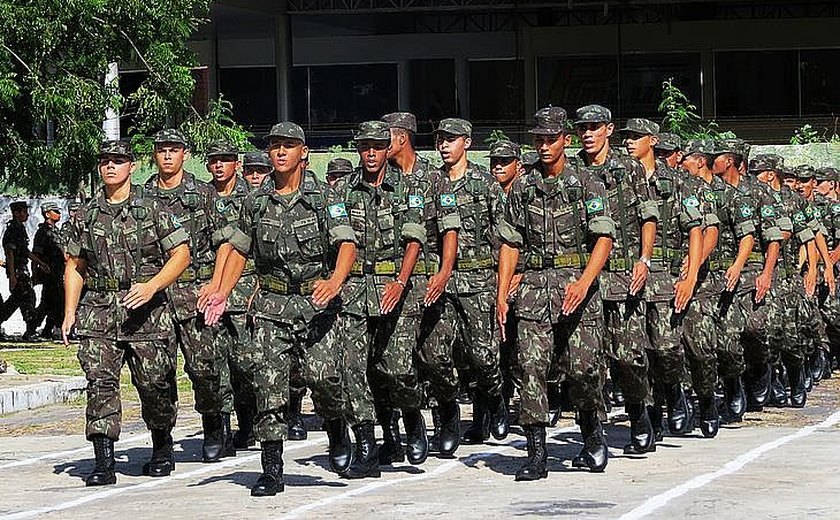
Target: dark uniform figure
x=47 y=247
x=828 y=210
x=16 y=246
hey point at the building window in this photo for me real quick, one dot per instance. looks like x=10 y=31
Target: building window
x=642 y=76
x=756 y=83
x=253 y=93
x=820 y=81
x=432 y=91
x=573 y=82
x=496 y=91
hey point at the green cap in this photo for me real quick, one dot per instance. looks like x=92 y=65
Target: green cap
x=668 y=142
x=705 y=146
x=592 y=114
x=530 y=158
x=339 y=167
x=638 y=125
x=170 y=135
x=826 y=174
x=733 y=146
x=287 y=130
x=74 y=205
x=404 y=120
x=50 y=206
x=256 y=159
x=221 y=147
x=804 y=172
x=550 y=121
x=120 y=148
x=765 y=162
x=373 y=131
x=504 y=149
x=454 y=126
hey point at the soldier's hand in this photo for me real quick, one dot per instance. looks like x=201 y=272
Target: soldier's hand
x=834 y=255
x=501 y=315
x=204 y=295
x=640 y=276
x=325 y=291
x=67 y=328
x=733 y=274
x=683 y=292
x=435 y=287
x=810 y=282
x=390 y=297
x=684 y=268
x=12 y=282
x=762 y=286
x=575 y=293
x=830 y=280
x=138 y=295
x=514 y=285
x=215 y=308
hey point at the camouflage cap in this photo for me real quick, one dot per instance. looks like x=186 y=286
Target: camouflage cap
x=787 y=171
x=373 y=131
x=504 y=149
x=256 y=159
x=745 y=149
x=454 y=126
x=170 y=135
x=826 y=174
x=638 y=125
x=221 y=147
x=765 y=162
x=592 y=114
x=404 y=120
x=668 y=142
x=733 y=146
x=530 y=158
x=339 y=167
x=18 y=205
x=74 y=205
x=705 y=146
x=550 y=121
x=120 y=148
x=288 y=130
x=804 y=172
x=50 y=206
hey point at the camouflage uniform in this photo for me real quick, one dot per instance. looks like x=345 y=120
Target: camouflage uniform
x=123 y=244
x=16 y=239
x=828 y=212
x=48 y=247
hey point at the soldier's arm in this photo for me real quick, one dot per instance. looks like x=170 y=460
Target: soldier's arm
x=413 y=233
x=10 y=267
x=73 y=283
x=341 y=236
x=449 y=222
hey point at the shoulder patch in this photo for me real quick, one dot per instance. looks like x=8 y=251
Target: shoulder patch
x=809 y=211
x=220 y=205
x=768 y=211
x=175 y=222
x=448 y=200
x=416 y=201
x=799 y=217
x=835 y=208
x=594 y=205
x=691 y=202
x=746 y=211
x=710 y=196
x=338 y=210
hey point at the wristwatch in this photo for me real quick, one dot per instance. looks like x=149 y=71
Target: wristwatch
x=400 y=282
x=645 y=260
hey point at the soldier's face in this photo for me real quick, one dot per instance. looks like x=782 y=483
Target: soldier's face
x=21 y=215
x=825 y=188
x=452 y=148
x=792 y=183
x=115 y=169
x=254 y=175
x=286 y=154
x=223 y=167
x=639 y=145
x=671 y=158
x=373 y=154
x=505 y=169
x=52 y=216
x=766 y=176
x=806 y=188
x=170 y=158
x=398 y=142
x=551 y=147
x=722 y=163
x=594 y=136
x=693 y=164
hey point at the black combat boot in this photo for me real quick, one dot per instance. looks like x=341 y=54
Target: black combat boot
x=498 y=411
x=709 y=417
x=163 y=460
x=271 y=481
x=244 y=436
x=392 y=449
x=817 y=364
x=229 y=449
x=656 y=421
x=642 y=436
x=555 y=404
x=434 y=440
x=479 y=430
x=450 y=428
x=797 y=371
x=806 y=371
x=735 y=400
x=294 y=419
x=366 y=457
x=759 y=393
x=535 y=467
x=103 y=472
x=618 y=398
x=214 y=442
x=679 y=415
x=416 y=441
x=341 y=447
x=594 y=454
x=778 y=387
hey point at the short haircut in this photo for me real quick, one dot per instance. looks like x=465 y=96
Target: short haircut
x=412 y=138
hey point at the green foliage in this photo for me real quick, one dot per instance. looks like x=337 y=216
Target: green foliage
x=53 y=60
x=336 y=148
x=495 y=136
x=680 y=116
x=807 y=134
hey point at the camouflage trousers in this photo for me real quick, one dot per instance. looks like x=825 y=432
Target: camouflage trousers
x=664 y=330
x=699 y=339
x=790 y=320
x=152 y=366
x=202 y=362
x=51 y=305
x=23 y=298
x=830 y=312
x=729 y=324
x=627 y=343
x=318 y=346
x=237 y=389
x=754 y=336
x=435 y=350
x=508 y=352
x=573 y=343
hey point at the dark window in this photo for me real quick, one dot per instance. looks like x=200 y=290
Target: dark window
x=820 y=81
x=573 y=82
x=299 y=95
x=756 y=83
x=345 y=95
x=642 y=76
x=432 y=91
x=496 y=90
x=253 y=93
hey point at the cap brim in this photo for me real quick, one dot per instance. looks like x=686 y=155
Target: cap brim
x=588 y=121
x=546 y=131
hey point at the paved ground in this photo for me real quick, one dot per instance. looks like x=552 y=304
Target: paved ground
x=779 y=464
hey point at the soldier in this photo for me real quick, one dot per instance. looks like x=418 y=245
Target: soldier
x=291 y=227
x=336 y=169
x=64 y=232
x=468 y=312
x=669 y=149
x=126 y=248
x=756 y=280
x=679 y=235
x=628 y=269
x=193 y=203
x=255 y=167
x=46 y=246
x=557 y=220
x=16 y=246
x=233 y=336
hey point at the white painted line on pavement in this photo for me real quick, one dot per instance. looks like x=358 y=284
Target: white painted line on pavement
x=659 y=501
x=206 y=468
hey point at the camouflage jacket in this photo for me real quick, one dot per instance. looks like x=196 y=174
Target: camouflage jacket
x=17 y=239
x=47 y=246
x=734 y=214
x=630 y=205
x=385 y=219
x=479 y=201
x=766 y=214
x=228 y=208
x=802 y=230
x=829 y=215
x=193 y=203
x=122 y=244
x=292 y=239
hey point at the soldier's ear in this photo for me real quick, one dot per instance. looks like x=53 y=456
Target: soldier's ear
x=132 y=167
x=567 y=139
x=610 y=129
x=654 y=140
x=467 y=143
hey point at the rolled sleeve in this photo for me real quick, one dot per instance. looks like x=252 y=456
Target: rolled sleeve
x=449 y=222
x=711 y=220
x=785 y=224
x=509 y=235
x=174 y=239
x=342 y=233
x=744 y=228
x=414 y=231
x=602 y=226
x=648 y=210
x=240 y=241
x=772 y=234
x=805 y=236
x=221 y=235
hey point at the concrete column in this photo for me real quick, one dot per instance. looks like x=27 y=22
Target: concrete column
x=111 y=123
x=707 y=71
x=283 y=63
x=404 y=86
x=462 y=82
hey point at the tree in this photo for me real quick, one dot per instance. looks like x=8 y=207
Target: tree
x=53 y=60
x=679 y=116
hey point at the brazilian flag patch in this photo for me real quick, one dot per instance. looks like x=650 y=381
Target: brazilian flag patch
x=338 y=210
x=710 y=196
x=835 y=209
x=768 y=211
x=175 y=222
x=746 y=211
x=809 y=210
x=448 y=200
x=594 y=205
x=691 y=202
x=799 y=217
x=416 y=201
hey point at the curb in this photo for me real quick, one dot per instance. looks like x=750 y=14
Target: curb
x=27 y=397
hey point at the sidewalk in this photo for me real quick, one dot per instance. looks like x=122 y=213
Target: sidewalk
x=21 y=392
